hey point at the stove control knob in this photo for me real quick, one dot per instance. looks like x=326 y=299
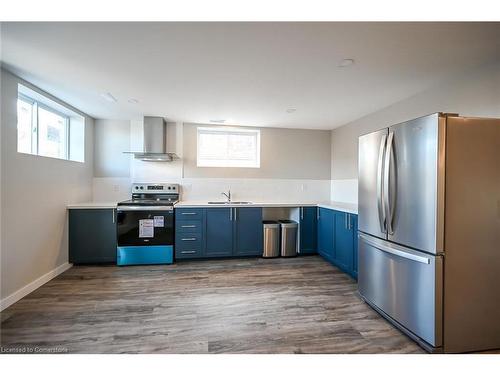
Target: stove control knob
x=142 y=187
x=170 y=187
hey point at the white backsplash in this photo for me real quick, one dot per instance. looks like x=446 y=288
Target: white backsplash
x=345 y=191
x=111 y=189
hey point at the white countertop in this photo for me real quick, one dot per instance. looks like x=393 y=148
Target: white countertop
x=351 y=208
x=195 y=204
x=90 y=205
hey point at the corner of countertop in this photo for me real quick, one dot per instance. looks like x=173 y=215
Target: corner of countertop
x=91 y=205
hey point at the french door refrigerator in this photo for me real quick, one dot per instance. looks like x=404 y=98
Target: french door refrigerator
x=429 y=229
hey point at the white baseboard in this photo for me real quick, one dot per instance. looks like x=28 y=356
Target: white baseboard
x=24 y=291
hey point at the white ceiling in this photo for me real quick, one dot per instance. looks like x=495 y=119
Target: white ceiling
x=246 y=73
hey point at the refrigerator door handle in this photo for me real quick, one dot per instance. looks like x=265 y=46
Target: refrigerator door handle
x=380 y=186
x=393 y=249
x=388 y=204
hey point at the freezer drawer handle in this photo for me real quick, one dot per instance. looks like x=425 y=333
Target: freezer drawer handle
x=392 y=250
x=188 y=252
x=188 y=226
x=188 y=239
x=188 y=213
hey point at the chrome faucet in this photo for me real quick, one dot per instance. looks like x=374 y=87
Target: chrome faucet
x=228 y=195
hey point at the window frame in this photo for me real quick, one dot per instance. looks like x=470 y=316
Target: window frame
x=35 y=124
x=227 y=131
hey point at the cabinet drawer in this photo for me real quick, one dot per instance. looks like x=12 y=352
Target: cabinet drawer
x=182 y=214
x=187 y=254
x=188 y=226
x=188 y=241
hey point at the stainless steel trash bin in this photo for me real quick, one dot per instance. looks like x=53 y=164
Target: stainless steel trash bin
x=288 y=238
x=271 y=239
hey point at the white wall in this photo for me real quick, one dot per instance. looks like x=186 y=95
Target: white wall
x=34 y=195
x=111 y=138
x=284 y=154
x=474 y=93
x=295 y=167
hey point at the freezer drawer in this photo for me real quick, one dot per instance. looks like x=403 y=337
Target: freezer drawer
x=405 y=284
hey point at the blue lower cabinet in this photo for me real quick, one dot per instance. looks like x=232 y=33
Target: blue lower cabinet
x=219 y=232
x=344 y=241
x=308 y=230
x=248 y=233
x=337 y=239
x=92 y=236
x=354 y=219
x=133 y=255
x=326 y=227
x=188 y=244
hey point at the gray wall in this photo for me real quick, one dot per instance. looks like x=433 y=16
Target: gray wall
x=34 y=195
x=111 y=138
x=285 y=154
x=475 y=93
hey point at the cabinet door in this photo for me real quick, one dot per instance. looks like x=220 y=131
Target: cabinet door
x=308 y=230
x=343 y=241
x=218 y=232
x=325 y=233
x=248 y=231
x=354 y=221
x=92 y=236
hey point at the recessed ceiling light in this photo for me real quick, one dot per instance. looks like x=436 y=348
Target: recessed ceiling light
x=133 y=101
x=290 y=110
x=346 y=63
x=108 y=97
x=218 y=121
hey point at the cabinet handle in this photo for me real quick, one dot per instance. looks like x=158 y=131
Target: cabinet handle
x=188 y=213
x=301 y=213
x=230 y=214
x=188 y=226
x=235 y=215
x=317 y=215
x=188 y=239
x=188 y=252
x=349 y=221
x=113 y=212
x=345 y=221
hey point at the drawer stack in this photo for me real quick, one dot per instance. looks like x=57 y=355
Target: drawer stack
x=189 y=232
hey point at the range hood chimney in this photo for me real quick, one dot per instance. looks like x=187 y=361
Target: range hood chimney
x=154 y=141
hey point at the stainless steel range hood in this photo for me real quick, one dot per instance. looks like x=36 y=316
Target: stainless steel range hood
x=154 y=141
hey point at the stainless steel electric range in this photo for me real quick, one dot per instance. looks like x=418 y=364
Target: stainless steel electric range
x=145 y=225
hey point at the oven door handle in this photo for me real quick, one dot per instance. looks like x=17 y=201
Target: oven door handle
x=144 y=208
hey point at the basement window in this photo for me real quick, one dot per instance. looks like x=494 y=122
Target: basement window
x=228 y=147
x=47 y=128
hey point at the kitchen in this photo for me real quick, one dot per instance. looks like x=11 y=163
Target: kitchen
x=168 y=217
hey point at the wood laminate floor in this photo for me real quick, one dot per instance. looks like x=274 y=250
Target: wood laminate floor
x=294 y=305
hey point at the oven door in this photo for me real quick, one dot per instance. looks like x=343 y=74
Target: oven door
x=139 y=226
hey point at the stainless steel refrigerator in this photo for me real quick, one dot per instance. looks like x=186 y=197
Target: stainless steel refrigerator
x=429 y=229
